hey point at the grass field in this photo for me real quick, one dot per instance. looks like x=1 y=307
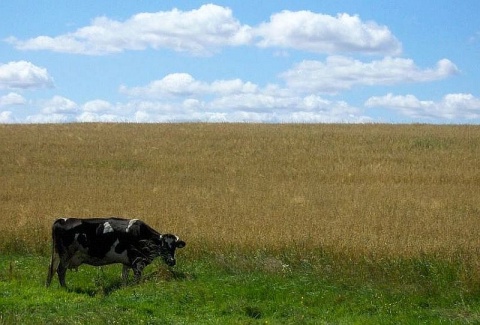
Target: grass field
x=351 y=216
x=205 y=291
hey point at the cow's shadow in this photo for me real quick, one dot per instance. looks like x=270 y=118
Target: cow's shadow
x=106 y=285
x=102 y=289
x=168 y=274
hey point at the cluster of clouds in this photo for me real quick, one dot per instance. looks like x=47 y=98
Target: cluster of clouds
x=208 y=29
x=450 y=107
x=299 y=95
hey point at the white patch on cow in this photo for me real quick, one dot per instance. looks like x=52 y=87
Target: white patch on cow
x=169 y=241
x=130 y=223
x=107 y=227
x=114 y=257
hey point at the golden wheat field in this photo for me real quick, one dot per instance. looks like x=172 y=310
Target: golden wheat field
x=400 y=190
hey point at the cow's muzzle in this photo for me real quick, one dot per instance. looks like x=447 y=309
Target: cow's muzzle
x=170 y=261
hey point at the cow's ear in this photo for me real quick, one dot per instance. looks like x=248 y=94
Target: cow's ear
x=180 y=244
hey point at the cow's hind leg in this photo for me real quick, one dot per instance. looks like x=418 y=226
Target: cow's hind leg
x=54 y=262
x=61 y=271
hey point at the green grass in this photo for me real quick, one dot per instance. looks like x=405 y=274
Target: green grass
x=241 y=289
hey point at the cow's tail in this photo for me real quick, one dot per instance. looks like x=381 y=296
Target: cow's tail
x=54 y=259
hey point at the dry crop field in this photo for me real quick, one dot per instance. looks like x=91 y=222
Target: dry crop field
x=362 y=190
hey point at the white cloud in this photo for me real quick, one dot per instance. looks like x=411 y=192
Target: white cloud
x=200 y=32
x=6 y=117
x=98 y=106
x=95 y=117
x=452 y=106
x=339 y=73
x=234 y=86
x=258 y=102
x=176 y=84
x=59 y=105
x=475 y=38
x=11 y=99
x=23 y=75
x=305 y=30
x=48 y=118
x=184 y=85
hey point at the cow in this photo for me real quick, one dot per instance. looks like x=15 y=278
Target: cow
x=102 y=241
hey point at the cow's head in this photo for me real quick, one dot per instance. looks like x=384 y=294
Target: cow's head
x=168 y=244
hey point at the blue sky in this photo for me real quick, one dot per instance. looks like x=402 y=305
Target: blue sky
x=347 y=61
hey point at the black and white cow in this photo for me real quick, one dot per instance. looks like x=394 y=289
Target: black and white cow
x=102 y=241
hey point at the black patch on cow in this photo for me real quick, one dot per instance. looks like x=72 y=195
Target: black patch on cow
x=122 y=246
x=82 y=240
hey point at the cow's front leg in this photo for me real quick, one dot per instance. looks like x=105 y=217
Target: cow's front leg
x=138 y=265
x=125 y=270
